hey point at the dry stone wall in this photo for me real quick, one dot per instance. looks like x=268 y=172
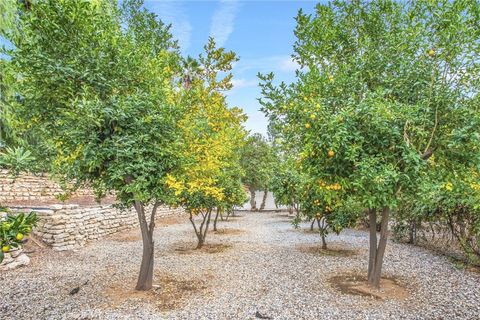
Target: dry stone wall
x=66 y=226
x=32 y=188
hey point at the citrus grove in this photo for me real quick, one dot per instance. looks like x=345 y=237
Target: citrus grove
x=383 y=115
x=380 y=127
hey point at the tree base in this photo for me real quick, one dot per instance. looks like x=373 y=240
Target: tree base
x=356 y=284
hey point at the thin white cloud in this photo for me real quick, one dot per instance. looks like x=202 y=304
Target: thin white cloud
x=287 y=64
x=282 y=63
x=172 y=12
x=243 y=83
x=223 y=21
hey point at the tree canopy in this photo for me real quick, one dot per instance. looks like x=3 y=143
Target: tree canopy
x=384 y=86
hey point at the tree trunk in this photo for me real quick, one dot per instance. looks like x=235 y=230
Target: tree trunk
x=253 y=203
x=322 y=228
x=216 y=219
x=324 y=242
x=145 y=277
x=412 y=232
x=297 y=210
x=201 y=232
x=264 y=199
x=377 y=252
x=372 y=220
x=313 y=222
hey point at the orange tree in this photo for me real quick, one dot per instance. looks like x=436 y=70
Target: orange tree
x=385 y=85
x=286 y=183
x=321 y=203
x=257 y=161
x=212 y=134
x=95 y=87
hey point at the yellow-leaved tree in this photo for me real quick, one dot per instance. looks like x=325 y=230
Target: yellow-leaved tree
x=212 y=134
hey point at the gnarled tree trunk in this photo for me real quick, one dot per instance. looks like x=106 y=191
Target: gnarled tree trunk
x=264 y=199
x=201 y=232
x=253 y=203
x=377 y=250
x=145 y=277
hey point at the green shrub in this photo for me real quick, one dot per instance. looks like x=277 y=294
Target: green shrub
x=14 y=229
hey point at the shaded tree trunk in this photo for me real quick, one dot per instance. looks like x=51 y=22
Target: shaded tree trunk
x=202 y=230
x=377 y=250
x=313 y=222
x=253 y=203
x=216 y=219
x=297 y=210
x=264 y=199
x=145 y=277
x=412 y=232
x=229 y=212
x=323 y=230
x=324 y=242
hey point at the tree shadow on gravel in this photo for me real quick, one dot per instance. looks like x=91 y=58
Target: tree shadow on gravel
x=332 y=251
x=356 y=284
x=229 y=231
x=210 y=248
x=170 y=292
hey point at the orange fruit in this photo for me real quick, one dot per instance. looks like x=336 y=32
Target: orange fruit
x=307 y=125
x=431 y=53
x=330 y=153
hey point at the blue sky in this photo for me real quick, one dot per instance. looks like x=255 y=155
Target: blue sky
x=260 y=32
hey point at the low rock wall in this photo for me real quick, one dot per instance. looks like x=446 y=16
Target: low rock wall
x=67 y=227
x=27 y=188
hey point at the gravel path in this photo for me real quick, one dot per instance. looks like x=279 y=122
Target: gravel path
x=264 y=265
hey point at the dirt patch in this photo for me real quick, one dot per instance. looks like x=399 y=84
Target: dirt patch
x=127 y=236
x=332 y=251
x=170 y=292
x=133 y=235
x=314 y=231
x=225 y=231
x=169 y=220
x=210 y=248
x=356 y=284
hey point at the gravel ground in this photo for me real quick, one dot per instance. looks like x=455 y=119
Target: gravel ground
x=261 y=267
